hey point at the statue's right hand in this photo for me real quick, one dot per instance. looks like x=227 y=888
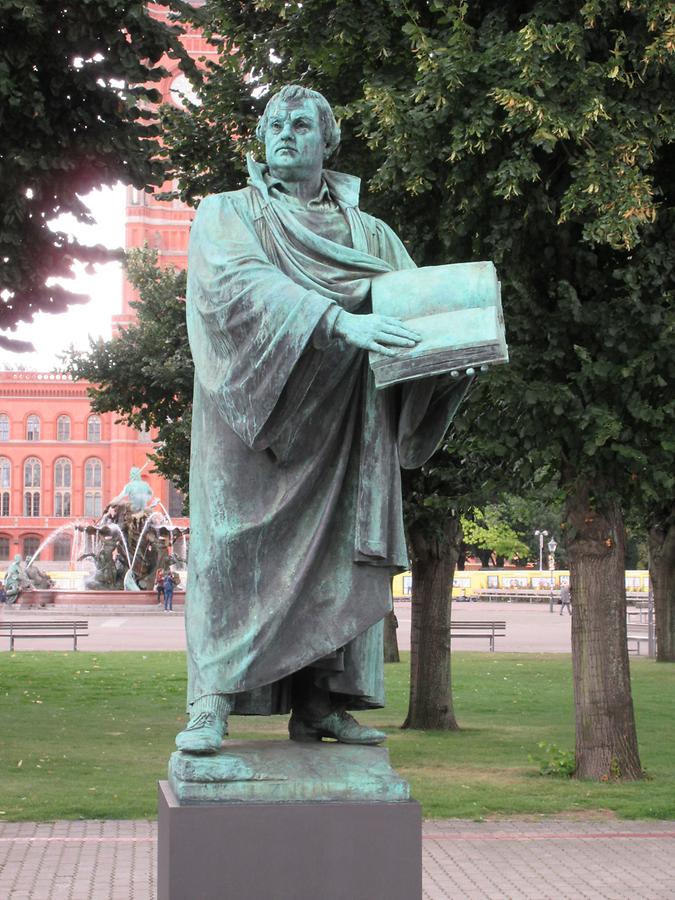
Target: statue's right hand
x=374 y=332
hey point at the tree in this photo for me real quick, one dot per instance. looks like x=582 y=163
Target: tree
x=535 y=134
x=434 y=499
x=489 y=534
x=661 y=540
x=77 y=113
x=145 y=373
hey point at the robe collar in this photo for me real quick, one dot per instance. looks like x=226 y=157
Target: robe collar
x=344 y=189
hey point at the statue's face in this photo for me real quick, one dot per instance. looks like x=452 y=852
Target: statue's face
x=294 y=143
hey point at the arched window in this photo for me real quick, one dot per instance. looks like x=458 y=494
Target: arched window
x=32 y=479
x=63 y=428
x=4 y=546
x=63 y=480
x=4 y=427
x=94 y=429
x=93 y=483
x=5 y=485
x=30 y=544
x=33 y=428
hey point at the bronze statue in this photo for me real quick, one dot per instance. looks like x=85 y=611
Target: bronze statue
x=295 y=490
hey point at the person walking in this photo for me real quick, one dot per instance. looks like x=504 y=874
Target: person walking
x=159 y=584
x=169 y=582
x=565 y=599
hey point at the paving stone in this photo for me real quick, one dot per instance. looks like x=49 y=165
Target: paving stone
x=511 y=859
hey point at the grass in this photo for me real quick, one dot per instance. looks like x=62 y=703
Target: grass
x=87 y=735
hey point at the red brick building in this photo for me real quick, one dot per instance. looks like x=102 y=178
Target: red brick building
x=60 y=462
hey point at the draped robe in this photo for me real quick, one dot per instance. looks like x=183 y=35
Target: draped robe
x=295 y=491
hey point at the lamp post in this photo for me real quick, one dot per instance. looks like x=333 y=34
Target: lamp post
x=541 y=535
x=552 y=546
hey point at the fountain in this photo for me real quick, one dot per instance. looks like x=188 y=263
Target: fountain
x=132 y=540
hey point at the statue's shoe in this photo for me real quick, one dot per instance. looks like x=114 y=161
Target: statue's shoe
x=204 y=734
x=338 y=725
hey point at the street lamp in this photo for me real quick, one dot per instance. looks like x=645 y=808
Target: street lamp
x=552 y=546
x=541 y=535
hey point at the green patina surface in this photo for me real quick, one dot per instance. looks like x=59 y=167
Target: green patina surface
x=276 y=771
x=295 y=491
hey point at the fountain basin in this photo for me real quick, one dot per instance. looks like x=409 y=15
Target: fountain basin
x=55 y=598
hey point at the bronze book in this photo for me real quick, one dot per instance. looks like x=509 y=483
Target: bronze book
x=456 y=308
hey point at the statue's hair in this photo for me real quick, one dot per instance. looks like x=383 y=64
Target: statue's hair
x=294 y=93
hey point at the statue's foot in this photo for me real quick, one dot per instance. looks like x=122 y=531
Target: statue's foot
x=338 y=725
x=207 y=726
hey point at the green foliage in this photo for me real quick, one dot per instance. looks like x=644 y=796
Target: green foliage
x=486 y=529
x=146 y=372
x=76 y=113
x=560 y=763
x=535 y=134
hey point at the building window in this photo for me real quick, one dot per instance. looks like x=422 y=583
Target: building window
x=5 y=485
x=30 y=544
x=4 y=546
x=33 y=428
x=63 y=428
x=4 y=427
x=62 y=484
x=94 y=429
x=62 y=548
x=93 y=483
x=32 y=477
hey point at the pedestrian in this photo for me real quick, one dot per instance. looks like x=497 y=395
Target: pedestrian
x=565 y=599
x=159 y=584
x=3 y=592
x=169 y=582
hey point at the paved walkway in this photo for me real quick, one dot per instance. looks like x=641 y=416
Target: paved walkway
x=530 y=628
x=556 y=858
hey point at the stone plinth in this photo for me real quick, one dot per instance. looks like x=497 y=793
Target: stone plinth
x=274 y=771
x=290 y=822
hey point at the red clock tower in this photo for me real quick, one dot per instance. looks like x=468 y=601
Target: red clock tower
x=161 y=224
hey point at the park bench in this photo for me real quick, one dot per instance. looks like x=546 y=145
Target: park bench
x=637 y=635
x=53 y=629
x=489 y=630
x=521 y=595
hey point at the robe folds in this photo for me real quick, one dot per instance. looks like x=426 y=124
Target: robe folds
x=295 y=490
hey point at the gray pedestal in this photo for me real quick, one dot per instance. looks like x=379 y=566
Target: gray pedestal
x=318 y=850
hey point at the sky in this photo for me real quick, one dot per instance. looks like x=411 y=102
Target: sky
x=53 y=334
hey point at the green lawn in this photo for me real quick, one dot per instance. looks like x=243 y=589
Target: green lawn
x=87 y=735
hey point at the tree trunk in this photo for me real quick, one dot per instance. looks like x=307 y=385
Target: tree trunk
x=433 y=568
x=485 y=557
x=606 y=739
x=391 y=654
x=661 y=539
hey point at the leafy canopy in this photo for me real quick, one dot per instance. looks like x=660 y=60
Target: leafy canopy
x=146 y=372
x=537 y=134
x=76 y=112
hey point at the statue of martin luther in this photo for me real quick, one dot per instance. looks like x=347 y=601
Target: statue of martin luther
x=295 y=489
